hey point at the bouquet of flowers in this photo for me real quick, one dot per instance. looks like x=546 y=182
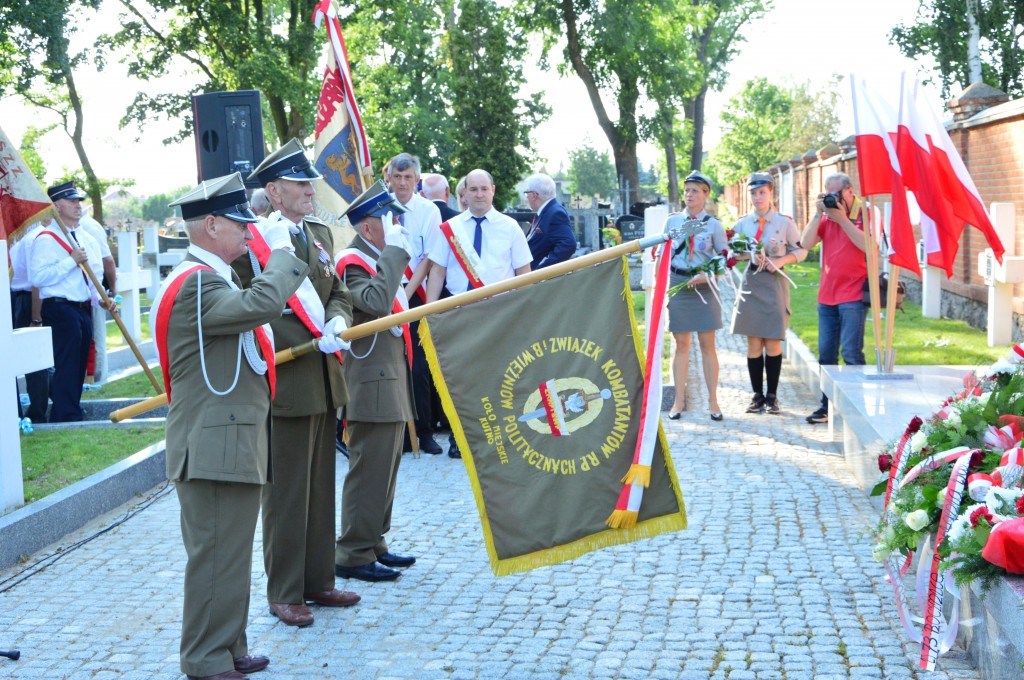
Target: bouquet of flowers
x=611 y=236
x=957 y=475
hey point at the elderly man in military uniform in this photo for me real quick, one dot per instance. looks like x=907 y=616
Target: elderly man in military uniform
x=378 y=370
x=218 y=421
x=298 y=508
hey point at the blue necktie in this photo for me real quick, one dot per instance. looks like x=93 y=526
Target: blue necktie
x=478 y=234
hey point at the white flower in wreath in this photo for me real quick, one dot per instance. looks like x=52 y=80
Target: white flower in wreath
x=918 y=441
x=1000 y=367
x=954 y=419
x=983 y=398
x=1000 y=501
x=880 y=552
x=961 y=525
x=940 y=500
x=917 y=520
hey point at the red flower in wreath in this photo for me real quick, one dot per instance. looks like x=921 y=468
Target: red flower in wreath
x=980 y=514
x=884 y=462
x=977 y=458
x=1020 y=505
x=915 y=425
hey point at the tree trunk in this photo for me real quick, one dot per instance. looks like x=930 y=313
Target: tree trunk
x=695 y=113
x=628 y=171
x=91 y=181
x=973 y=40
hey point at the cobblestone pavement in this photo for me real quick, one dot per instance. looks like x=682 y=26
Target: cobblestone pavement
x=772 y=579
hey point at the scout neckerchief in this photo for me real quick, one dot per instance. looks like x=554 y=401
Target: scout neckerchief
x=466 y=257
x=306 y=301
x=355 y=257
x=164 y=304
x=688 y=243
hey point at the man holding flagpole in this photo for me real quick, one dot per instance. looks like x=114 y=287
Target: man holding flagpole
x=298 y=508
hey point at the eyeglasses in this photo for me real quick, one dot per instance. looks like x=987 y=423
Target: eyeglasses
x=527 y=193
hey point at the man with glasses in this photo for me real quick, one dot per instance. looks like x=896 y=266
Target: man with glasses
x=550 y=239
x=839 y=225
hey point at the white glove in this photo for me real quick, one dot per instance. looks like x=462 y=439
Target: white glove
x=275 y=230
x=329 y=344
x=336 y=326
x=395 y=234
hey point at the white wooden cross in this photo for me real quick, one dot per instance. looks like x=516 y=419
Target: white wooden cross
x=1000 y=277
x=153 y=259
x=130 y=281
x=23 y=351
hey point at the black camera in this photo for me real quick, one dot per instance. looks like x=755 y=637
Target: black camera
x=832 y=199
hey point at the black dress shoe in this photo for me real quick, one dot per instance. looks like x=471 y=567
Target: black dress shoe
x=453 y=448
x=367 y=572
x=390 y=559
x=251 y=664
x=428 y=445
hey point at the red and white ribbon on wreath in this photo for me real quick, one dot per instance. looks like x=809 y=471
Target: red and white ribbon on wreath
x=1009 y=472
x=934 y=461
x=627 y=509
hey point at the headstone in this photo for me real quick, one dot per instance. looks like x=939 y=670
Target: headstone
x=1000 y=277
x=130 y=281
x=23 y=351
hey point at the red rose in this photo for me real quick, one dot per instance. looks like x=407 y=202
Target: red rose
x=979 y=514
x=731 y=262
x=977 y=458
x=729 y=233
x=1020 y=505
x=884 y=462
x=915 y=425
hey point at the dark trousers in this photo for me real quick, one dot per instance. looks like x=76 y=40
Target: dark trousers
x=37 y=382
x=72 y=334
x=422 y=385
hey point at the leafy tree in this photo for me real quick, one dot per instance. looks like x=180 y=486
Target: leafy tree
x=941 y=31
x=756 y=124
x=402 y=79
x=814 y=118
x=492 y=122
x=269 y=45
x=154 y=208
x=30 y=153
x=39 y=65
x=591 y=172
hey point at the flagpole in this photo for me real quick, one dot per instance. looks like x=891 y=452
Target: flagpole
x=890 y=317
x=117 y=318
x=871 y=247
x=384 y=323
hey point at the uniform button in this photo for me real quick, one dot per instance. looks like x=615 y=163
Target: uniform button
x=295 y=271
x=382 y=374
x=232 y=417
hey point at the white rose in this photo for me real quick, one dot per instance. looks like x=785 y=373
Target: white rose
x=940 y=500
x=983 y=399
x=954 y=419
x=917 y=520
x=917 y=441
x=880 y=552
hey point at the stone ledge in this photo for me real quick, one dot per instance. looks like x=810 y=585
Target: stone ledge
x=48 y=520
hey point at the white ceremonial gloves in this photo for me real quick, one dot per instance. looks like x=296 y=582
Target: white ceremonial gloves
x=336 y=326
x=329 y=344
x=395 y=234
x=275 y=230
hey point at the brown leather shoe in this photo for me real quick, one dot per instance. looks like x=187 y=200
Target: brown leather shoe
x=251 y=664
x=332 y=598
x=229 y=675
x=292 y=614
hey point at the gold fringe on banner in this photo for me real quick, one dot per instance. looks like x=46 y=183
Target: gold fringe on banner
x=638 y=474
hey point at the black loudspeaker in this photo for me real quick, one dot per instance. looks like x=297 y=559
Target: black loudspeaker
x=228 y=128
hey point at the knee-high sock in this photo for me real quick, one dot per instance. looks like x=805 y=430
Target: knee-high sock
x=773 y=367
x=755 y=367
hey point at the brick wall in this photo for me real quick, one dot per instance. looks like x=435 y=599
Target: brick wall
x=992 y=147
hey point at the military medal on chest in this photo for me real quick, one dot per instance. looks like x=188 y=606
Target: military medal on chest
x=324 y=259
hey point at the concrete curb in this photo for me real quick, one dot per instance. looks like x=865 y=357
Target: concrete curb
x=48 y=520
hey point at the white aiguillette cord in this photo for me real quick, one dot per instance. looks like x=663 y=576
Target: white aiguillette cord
x=246 y=340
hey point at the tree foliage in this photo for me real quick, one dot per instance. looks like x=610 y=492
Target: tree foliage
x=155 y=209
x=491 y=121
x=940 y=31
x=29 y=152
x=591 y=172
x=814 y=118
x=755 y=125
x=266 y=45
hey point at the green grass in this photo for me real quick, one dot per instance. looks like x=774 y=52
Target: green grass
x=917 y=340
x=115 y=339
x=54 y=459
x=134 y=385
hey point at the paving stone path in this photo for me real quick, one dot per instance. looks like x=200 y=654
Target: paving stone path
x=772 y=579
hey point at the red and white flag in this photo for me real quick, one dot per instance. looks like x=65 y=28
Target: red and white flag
x=934 y=171
x=341 y=152
x=23 y=201
x=879 y=170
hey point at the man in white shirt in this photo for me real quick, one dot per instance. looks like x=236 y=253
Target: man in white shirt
x=422 y=222
x=493 y=248
x=67 y=297
x=99 y=315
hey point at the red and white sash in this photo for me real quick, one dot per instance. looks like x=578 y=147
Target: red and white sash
x=305 y=302
x=164 y=304
x=355 y=257
x=422 y=290
x=63 y=244
x=466 y=257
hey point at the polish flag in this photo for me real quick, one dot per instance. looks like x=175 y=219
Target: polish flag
x=933 y=170
x=878 y=168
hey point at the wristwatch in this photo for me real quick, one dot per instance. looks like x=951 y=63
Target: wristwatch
x=37 y=322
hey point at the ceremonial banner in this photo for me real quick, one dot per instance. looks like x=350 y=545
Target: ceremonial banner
x=341 y=153
x=543 y=387
x=23 y=201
